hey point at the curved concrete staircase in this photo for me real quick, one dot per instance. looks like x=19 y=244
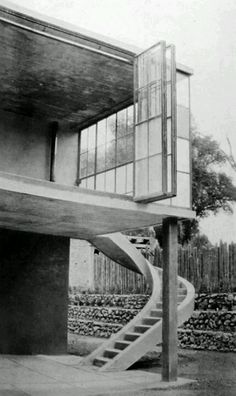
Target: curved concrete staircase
x=144 y=331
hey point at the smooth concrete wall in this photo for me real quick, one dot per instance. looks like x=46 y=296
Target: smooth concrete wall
x=33 y=293
x=81 y=274
x=25 y=146
x=66 y=170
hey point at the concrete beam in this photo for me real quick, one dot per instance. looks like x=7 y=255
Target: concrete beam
x=43 y=207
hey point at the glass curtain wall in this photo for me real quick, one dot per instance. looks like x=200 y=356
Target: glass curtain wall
x=106 y=154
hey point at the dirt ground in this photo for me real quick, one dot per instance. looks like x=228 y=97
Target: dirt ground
x=214 y=372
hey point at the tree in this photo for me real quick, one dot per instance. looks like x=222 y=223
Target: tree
x=212 y=189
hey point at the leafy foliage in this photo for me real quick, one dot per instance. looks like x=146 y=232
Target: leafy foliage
x=212 y=189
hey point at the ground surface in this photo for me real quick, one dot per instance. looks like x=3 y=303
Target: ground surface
x=215 y=373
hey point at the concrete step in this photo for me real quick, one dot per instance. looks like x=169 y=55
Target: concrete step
x=121 y=344
x=111 y=352
x=141 y=328
x=157 y=313
x=150 y=320
x=131 y=336
x=100 y=361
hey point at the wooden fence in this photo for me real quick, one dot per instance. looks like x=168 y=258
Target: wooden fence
x=209 y=269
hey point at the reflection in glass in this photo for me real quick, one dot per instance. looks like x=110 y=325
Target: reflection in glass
x=183 y=122
x=91 y=162
x=129 y=181
x=141 y=177
x=100 y=158
x=101 y=134
x=100 y=182
x=130 y=119
x=110 y=154
x=111 y=128
x=83 y=164
x=183 y=190
x=90 y=183
x=155 y=138
x=141 y=141
x=110 y=181
x=129 y=148
x=142 y=104
x=154 y=100
x=121 y=180
x=183 y=163
x=182 y=88
x=121 y=150
x=121 y=123
x=155 y=174
x=91 y=137
x=83 y=140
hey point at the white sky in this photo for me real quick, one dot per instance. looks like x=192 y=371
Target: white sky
x=204 y=32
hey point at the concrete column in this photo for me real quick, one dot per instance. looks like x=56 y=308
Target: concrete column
x=169 y=297
x=81 y=265
x=33 y=293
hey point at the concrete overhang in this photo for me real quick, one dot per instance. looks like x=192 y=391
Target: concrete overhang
x=42 y=207
x=53 y=70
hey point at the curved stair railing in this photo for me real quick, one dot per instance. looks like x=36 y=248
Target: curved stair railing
x=144 y=331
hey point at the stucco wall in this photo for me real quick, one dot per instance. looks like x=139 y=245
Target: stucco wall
x=33 y=293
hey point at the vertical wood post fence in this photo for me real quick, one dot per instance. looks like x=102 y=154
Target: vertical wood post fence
x=208 y=269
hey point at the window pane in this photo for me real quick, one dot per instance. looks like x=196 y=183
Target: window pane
x=83 y=140
x=130 y=147
x=182 y=88
x=110 y=155
x=83 y=183
x=110 y=181
x=101 y=134
x=183 y=122
x=129 y=181
x=121 y=180
x=142 y=70
x=183 y=162
x=130 y=119
x=141 y=177
x=100 y=158
x=155 y=138
x=154 y=100
x=121 y=150
x=155 y=174
x=141 y=141
x=169 y=148
x=100 y=182
x=111 y=128
x=183 y=191
x=90 y=183
x=154 y=65
x=91 y=162
x=83 y=164
x=169 y=173
x=168 y=94
x=91 y=137
x=121 y=123
x=142 y=104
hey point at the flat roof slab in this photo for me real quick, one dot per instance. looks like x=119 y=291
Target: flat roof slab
x=44 y=207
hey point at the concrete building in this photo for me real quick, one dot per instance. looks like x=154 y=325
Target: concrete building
x=94 y=140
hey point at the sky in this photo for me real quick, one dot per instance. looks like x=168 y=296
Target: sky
x=204 y=33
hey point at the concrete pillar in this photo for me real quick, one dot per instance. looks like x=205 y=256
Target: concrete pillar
x=33 y=293
x=81 y=265
x=169 y=297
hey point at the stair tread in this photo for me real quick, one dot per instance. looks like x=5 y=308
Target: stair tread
x=132 y=333
x=113 y=350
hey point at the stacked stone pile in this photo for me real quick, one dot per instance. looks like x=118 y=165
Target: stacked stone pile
x=102 y=315
x=212 y=325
